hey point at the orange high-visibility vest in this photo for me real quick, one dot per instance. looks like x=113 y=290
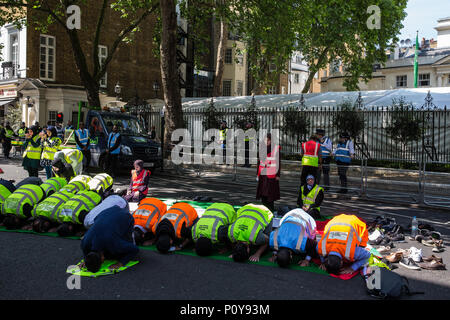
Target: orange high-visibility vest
x=343 y=234
x=138 y=180
x=148 y=212
x=269 y=167
x=178 y=214
x=310 y=153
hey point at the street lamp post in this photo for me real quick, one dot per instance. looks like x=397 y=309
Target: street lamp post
x=163 y=121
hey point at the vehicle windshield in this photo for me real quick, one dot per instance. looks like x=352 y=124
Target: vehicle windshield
x=126 y=125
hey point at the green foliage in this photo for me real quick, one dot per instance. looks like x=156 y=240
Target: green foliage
x=295 y=123
x=14 y=116
x=211 y=117
x=349 y=119
x=249 y=116
x=405 y=125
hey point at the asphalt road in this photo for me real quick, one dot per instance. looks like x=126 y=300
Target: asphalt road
x=33 y=266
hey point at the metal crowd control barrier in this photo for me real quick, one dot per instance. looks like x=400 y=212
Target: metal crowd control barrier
x=417 y=186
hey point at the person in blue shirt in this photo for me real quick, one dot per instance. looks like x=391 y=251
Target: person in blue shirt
x=343 y=154
x=82 y=139
x=105 y=205
x=111 y=237
x=335 y=265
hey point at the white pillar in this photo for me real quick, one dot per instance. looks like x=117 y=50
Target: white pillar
x=439 y=81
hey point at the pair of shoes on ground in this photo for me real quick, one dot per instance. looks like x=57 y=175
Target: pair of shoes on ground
x=411 y=258
x=432 y=263
x=431 y=241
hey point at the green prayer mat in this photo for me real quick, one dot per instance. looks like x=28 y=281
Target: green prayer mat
x=104 y=271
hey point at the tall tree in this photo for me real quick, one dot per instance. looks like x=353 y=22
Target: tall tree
x=344 y=30
x=132 y=13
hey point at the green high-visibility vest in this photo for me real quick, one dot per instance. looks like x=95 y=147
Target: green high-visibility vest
x=4 y=193
x=53 y=184
x=74 y=187
x=312 y=195
x=101 y=181
x=82 y=201
x=51 y=206
x=250 y=220
x=215 y=216
x=9 y=133
x=22 y=132
x=27 y=194
x=33 y=152
x=49 y=152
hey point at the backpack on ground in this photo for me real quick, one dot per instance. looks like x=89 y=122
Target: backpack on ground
x=384 y=284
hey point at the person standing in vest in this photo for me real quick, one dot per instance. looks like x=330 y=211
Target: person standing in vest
x=326 y=148
x=175 y=226
x=146 y=216
x=223 y=139
x=343 y=154
x=311 y=197
x=311 y=158
x=69 y=126
x=32 y=154
x=343 y=242
x=82 y=139
x=296 y=235
x=268 y=175
x=50 y=144
x=138 y=188
x=252 y=227
x=21 y=134
x=113 y=151
x=111 y=237
x=212 y=227
x=72 y=157
x=6 y=135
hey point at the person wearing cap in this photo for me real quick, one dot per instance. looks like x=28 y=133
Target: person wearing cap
x=174 y=226
x=343 y=155
x=223 y=139
x=311 y=158
x=82 y=139
x=110 y=237
x=296 y=235
x=50 y=144
x=311 y=197
x=326 y=148
x=342 y=246
x=138 y=188
x=6 y=135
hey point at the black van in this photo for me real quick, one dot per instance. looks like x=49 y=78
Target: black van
x=135 y=144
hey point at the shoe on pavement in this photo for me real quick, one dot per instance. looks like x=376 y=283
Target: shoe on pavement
x=433 y=265
x=438 y=249
x=431 y=258
x=409 y=263
x=375 y=235
x=394 y=257
x=415 y=254
x=384 y=249
x=429 y=243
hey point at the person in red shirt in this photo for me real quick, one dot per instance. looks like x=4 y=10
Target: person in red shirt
x=138 y=188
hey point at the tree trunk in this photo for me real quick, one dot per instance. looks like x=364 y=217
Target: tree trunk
x=220 y=60
x=169 y=71
x=308 y=82
x=315 y=68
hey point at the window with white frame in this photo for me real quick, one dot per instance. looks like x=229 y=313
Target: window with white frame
x=52 y=117
x=401 y=81
x=424 y=79
x=226 y=88
x=228 y=55
x=272 y=90
x=102 y=55
x=47 y=57
x=14 y=54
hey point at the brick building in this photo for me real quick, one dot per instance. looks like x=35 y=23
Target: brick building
x=41 y=69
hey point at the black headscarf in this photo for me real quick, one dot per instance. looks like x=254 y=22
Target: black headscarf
x=35 y=130
x=53 y=131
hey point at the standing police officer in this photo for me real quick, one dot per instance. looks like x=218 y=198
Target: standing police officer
x=343 y=154
x=82 y=138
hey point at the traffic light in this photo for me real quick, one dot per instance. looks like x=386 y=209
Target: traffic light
x=59 y=117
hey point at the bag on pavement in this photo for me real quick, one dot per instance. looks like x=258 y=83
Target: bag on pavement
x=384 y=284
